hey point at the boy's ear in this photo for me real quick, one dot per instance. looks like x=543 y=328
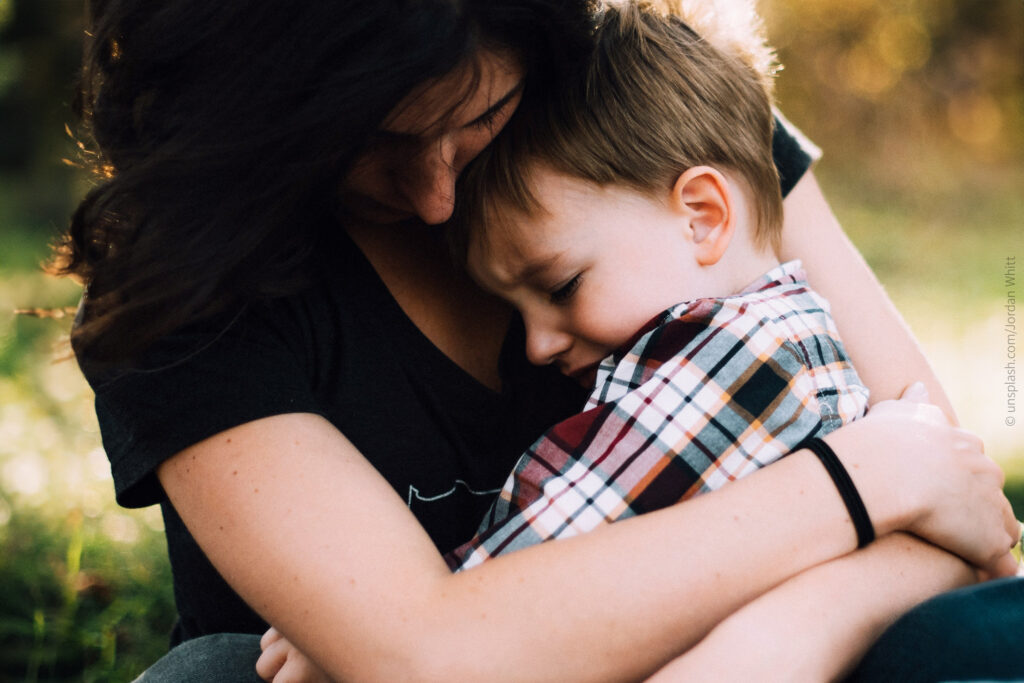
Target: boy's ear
x=702 y=195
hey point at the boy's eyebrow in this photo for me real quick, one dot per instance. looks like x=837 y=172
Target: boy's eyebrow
x=497 y=106
x=532 y=268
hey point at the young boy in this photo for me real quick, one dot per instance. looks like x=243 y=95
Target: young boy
x=649 y=182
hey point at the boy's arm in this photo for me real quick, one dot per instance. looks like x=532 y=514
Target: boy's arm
x=882 y=347
x=817 y=625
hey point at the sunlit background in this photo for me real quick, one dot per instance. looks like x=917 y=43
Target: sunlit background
x=918 y=105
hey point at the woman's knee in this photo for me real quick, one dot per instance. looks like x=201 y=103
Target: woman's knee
x=970 y=634
x=227 y=657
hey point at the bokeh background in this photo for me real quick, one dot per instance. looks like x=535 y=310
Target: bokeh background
x=918 y=105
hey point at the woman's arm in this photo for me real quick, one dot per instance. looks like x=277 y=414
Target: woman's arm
x=817 y=626
x=322 y=547
x=883 y=349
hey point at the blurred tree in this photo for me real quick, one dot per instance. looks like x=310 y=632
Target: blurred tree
x=901 y=85
x=40 y=50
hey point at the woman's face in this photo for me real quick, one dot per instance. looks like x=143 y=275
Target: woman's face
x=425 y=142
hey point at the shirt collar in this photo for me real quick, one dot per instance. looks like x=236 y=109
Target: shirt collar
x=786 y=273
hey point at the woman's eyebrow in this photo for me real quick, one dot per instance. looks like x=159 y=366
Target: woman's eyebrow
x=403 y=137
x=497 y=106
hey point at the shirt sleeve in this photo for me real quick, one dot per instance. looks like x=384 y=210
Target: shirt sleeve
x=792 y=152
x=731 y=400
x=192 y=385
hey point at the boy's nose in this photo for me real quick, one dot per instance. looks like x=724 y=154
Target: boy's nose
x=431 y=183
x=545 y=344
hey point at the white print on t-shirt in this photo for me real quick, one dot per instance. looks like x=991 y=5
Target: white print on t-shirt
x=414 y=493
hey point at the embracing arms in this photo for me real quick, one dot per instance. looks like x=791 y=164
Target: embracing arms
x=319 y=544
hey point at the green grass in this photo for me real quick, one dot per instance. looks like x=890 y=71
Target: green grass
x=78 y=605
x=85 y=591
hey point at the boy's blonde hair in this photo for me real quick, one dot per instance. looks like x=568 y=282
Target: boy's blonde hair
x=654 y=98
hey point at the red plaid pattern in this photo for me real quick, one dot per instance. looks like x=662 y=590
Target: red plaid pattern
x=706 y=393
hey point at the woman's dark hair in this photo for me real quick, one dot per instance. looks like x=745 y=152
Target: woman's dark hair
x=221 y=132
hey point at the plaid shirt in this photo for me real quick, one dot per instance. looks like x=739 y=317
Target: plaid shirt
x=705 y=393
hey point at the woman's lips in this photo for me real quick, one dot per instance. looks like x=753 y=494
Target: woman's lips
x=367 y=208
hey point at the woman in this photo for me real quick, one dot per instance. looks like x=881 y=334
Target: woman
x=278 y=346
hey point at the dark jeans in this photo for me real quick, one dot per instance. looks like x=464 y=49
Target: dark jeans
x=972 y=634
x=975 y=633
x=220 y=658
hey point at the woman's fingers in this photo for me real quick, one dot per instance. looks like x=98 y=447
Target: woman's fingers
x=282 y=662
x=274 y=656
x=271 y=636
x=1013 y=527
x=972 y=443
x=983 y=503
x=1005 y=566
x=916 y=392
x=907 y=406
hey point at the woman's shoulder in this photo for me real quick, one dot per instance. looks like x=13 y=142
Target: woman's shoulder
x=202 y=379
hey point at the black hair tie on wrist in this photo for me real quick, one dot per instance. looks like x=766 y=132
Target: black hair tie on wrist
x=847 y=491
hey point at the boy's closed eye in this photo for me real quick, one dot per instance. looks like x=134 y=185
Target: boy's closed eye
x=565 y=291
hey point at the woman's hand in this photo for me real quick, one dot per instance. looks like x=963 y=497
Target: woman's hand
x=282 y=662
x=950 y=491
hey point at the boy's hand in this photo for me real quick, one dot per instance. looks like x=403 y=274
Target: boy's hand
x=282 y=662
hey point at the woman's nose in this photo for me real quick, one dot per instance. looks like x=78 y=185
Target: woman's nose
x=431 y=187
x=545 y=343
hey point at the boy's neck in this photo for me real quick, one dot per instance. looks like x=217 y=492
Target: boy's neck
x=741 y=264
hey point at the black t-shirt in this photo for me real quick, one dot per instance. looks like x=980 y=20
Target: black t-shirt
x=345 y=350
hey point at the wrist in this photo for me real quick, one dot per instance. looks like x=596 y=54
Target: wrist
x=846 y=488
x=890 y=507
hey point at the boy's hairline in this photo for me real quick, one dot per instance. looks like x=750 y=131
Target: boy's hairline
x=501 y=212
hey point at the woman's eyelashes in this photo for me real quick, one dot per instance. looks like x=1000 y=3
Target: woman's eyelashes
x=498 y=114
x=565 y=292
x=487 y=121
x=493 y=120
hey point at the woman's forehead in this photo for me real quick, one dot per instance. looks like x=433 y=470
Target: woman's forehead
x=458 y=98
